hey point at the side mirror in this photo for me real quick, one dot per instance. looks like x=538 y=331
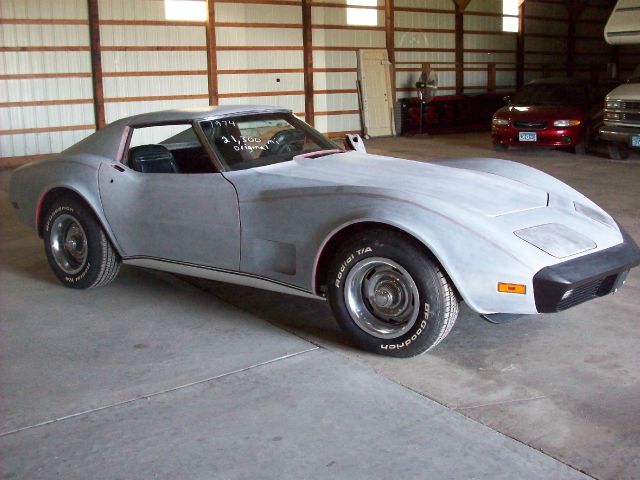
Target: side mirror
x=354 y=142
x=506 y=99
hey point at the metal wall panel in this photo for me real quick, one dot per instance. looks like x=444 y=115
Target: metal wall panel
x=116 y=110
x=151 y=35
x=153 y=10
x=152 y=61
x=485 y=6
x=260 y=82
x=256 y=59
x=329 y=59
x=338 y=123
x=499 y=41
x=334 y=80
x=264 y=37
x=420 y=40
x=547 y=9
x=127 y=59
x=551 y=45
x=40 y=143
x=434 y=4
x=26 y=63
x=293 y=102
x=46 y=116
x=45 y=89
x=335 y=45
x=44 y=35
x=256 y=13
x=44 y=9
x=545 y=27
x=149 y=86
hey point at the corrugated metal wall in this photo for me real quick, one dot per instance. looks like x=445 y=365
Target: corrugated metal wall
x=424 y=33
x=335 y=47
x=259 y=53
x=485 y=43
x=545 y=44
x=46 y=99
x=151 y=63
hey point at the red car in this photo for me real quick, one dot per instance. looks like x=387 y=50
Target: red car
x=550 y=112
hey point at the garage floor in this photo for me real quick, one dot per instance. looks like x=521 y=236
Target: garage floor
x=155 y=377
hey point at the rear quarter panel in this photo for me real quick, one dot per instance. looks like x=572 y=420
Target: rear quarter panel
x=29 y=185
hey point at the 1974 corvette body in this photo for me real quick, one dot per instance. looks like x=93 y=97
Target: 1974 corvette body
x=254 y=196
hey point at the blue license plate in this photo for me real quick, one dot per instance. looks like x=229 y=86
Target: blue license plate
x=527 y=136
x=635 y=141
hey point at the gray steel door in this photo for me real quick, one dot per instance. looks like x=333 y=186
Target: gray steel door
x=191 y=218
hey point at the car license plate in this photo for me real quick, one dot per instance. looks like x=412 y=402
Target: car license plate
x=635 y=141
x=527 y=136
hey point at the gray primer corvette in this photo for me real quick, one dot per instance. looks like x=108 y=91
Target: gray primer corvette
x=485 y=220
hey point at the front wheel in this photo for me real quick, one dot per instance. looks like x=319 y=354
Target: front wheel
x=78 y=250
x=618 y=151
x=390 y=296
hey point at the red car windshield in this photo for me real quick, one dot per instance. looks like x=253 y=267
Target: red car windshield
x=551 y=94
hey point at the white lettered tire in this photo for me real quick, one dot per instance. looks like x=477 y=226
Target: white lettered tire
x=390 y=295
x=78 y=250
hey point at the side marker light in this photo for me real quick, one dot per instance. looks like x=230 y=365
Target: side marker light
x=512 y=288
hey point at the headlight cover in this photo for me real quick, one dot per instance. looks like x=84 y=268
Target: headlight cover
x=555 y=239
x=500 y=122
x=566 y=123
x=613 y=104
x=594 y=214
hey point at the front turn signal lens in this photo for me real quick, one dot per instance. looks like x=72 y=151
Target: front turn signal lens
x=512 y=288
x=566 y=123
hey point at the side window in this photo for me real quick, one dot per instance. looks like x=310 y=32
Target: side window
x=167 y=149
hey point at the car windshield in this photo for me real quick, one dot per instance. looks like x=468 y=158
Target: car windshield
x=635 y=76
x=256 y=140
x=551 y=94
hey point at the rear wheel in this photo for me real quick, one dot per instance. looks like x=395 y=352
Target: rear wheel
x=618 y=151
x=78 y=250
x=390 y=296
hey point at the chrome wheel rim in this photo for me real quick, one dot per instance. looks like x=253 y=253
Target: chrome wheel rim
x=68 y=243
x=381 y=297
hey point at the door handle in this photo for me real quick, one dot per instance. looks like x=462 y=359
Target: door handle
x=118 y=167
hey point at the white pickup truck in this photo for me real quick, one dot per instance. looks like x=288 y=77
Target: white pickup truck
x=621 y=128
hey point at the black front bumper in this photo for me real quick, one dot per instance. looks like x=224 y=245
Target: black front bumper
x=570 y=283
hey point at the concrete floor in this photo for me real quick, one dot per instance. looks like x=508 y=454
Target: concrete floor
x=152 y=377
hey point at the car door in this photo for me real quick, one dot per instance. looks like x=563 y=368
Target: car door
x=189 y=218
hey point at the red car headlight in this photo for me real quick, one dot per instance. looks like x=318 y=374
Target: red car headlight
x=566 y=123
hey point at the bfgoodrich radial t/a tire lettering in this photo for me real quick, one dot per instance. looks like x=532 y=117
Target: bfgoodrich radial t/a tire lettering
x=390 y=296
x=78 y=250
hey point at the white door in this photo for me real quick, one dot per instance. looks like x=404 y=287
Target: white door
x=374 y=73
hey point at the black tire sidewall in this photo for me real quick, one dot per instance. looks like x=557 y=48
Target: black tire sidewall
x=86 y=277
x=427 y=327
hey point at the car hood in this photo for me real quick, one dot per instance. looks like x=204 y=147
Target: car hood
x=485 y=193
x=626 y=91
x=540 y=112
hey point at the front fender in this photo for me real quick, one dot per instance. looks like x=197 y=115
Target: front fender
x=475 y=259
